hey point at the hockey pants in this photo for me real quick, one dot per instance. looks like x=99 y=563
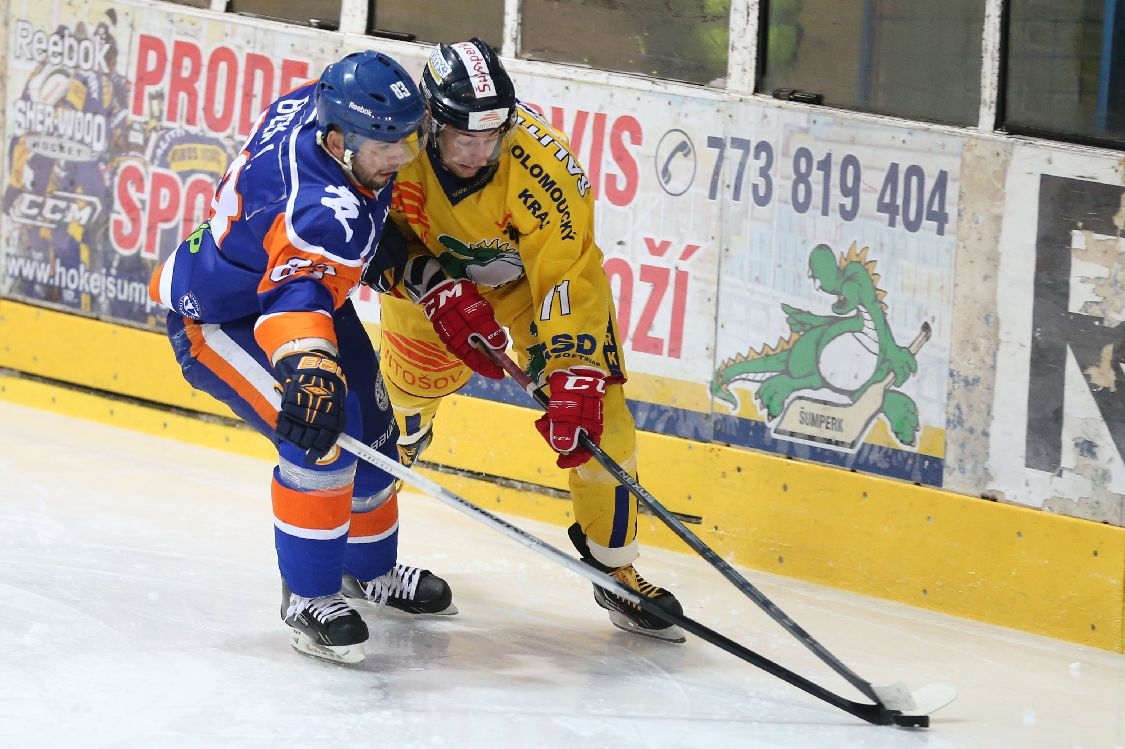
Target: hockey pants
x=419 y=371
x=331 y=516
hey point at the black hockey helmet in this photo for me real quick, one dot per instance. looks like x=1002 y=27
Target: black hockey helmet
x=466 y=87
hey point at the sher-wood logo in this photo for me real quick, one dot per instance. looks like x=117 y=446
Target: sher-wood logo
x=60 y=111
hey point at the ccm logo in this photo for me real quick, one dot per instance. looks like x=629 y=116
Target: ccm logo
x=443 y=297
x=584 y=383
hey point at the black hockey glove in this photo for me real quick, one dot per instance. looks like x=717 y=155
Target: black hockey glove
x=312 y=401
x=385 y=268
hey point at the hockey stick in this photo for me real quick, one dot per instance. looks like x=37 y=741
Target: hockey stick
x=879 y=714
x=891 y=696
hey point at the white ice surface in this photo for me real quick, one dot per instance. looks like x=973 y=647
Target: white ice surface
x=140 y=609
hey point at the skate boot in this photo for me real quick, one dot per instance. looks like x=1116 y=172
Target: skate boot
x=632 y=618
x=409 y=589
x=326 y=627
x=623 y=614
x=411 y=446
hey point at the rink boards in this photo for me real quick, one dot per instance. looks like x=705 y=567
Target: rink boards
x=988 y=561
x=713 y=208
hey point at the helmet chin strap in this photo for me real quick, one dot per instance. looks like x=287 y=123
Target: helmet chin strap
x=345 y=163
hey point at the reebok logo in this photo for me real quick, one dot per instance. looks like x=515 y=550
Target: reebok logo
x=61 y=47
x=362 y=110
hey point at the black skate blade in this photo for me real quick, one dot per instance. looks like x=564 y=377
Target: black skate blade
x=349 y=655
x=671 y=633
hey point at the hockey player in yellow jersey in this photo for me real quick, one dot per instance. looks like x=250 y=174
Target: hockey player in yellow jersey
x=497 y=221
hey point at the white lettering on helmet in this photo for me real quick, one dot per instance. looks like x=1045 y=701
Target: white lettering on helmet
x=358 y=108
x=477 y=67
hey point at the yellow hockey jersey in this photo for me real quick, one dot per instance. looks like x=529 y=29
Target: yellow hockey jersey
x=533 y=223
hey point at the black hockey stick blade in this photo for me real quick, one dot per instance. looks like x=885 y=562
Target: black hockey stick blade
x=878 y=714
x=894 y=697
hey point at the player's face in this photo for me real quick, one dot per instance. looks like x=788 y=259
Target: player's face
x=375 y=162
x=465 y=153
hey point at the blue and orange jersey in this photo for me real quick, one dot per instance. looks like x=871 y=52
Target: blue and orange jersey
x=288 y=235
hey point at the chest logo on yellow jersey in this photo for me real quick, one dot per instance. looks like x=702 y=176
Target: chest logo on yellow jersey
x=489 y=263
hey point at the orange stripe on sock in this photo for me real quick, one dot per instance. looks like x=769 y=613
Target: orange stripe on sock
x=377 y=521
x=322 y=510
x=227 y=373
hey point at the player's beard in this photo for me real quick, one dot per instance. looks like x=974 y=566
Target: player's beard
x=370 y=178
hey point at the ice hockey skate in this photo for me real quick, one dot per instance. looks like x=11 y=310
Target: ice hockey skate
x=325 y=627
x=409 y=589
x=411 y=447
x=632 y=618
x=625 y=615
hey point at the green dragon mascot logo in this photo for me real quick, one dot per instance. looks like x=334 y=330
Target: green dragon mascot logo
x=492 y=263
x=850 y=354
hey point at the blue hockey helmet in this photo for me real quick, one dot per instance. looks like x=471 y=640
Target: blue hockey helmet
x=369 y=95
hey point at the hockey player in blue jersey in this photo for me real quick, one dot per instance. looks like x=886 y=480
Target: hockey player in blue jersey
x=260 y=318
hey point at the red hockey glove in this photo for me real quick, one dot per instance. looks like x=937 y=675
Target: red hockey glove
x=312 y=401
x=462 y=317
x=575 y=407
